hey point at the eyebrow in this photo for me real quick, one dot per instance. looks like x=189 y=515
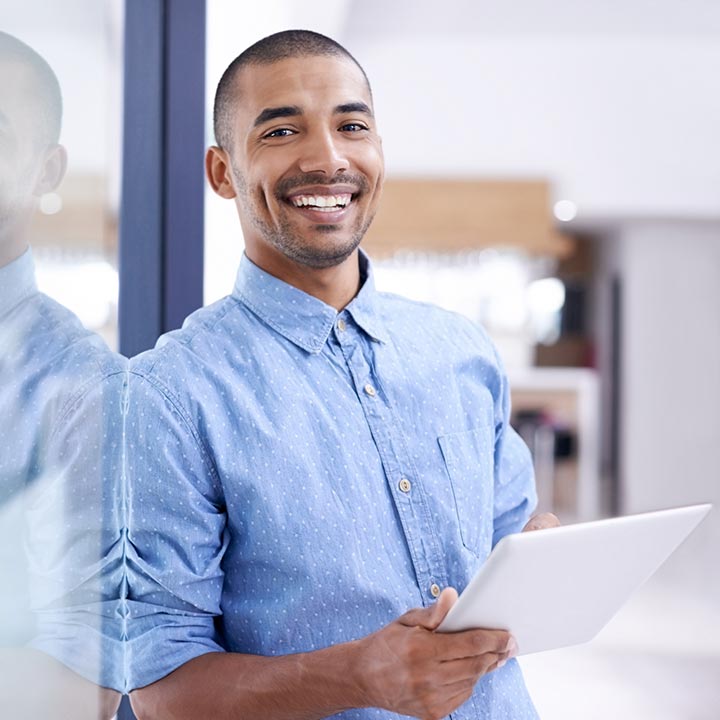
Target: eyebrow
x=277 y=112
x=283 y=111
x=353 y=107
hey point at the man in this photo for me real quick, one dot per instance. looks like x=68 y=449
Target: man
x=308 y=458
x=59 y=527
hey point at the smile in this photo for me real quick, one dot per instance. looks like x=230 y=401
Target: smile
x=324 y=203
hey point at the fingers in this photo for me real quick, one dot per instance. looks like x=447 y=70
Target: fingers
x=541 y=522
x=456 y=679
x=472 y=643
x=430 y=617
x=467 y=669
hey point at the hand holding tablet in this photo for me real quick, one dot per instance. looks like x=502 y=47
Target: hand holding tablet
x=561 y=586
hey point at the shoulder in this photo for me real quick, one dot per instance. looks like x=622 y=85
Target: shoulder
x=408 y=318
x=191 y=346
x=44 y=338
x=190 y=365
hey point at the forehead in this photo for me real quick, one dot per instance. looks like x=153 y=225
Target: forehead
x=18 y=84
x=20 y=101
x=311 y=83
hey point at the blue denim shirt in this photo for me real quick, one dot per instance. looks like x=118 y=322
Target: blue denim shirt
x=61 y=506
x=299 y=477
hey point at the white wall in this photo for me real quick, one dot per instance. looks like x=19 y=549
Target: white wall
x=623 y=125
x=671 y=382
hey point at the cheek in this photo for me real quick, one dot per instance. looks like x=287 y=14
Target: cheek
x=262 y=189
x=373 y=164
x=254 y=192
x=374 y=169
x=266 y=198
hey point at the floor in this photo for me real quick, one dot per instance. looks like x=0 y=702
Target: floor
x=658 y=659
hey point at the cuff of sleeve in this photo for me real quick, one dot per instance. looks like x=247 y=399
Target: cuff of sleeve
x=169 y=642
x=88 y=644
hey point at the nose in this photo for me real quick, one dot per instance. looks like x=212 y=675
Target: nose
x=322 y=152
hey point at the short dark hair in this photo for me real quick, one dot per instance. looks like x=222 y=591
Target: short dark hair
x=46 y=88
x=276 y=47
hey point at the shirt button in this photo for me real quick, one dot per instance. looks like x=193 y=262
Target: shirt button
x=435 y=590
x=370 y=390
x=404 y=485
x=341 y=326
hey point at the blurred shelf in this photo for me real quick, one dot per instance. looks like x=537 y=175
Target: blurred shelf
x=568 y=400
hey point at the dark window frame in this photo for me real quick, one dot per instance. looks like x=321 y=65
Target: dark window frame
x=161 y=216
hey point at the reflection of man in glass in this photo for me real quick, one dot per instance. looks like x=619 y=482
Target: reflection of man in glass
x=32 y=161
x=308 y=457
x=58 y=530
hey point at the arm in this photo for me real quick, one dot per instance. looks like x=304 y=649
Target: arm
x=515 y=493
x=73 y=548
x=405 y=667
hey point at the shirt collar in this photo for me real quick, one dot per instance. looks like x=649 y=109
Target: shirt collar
x=364 y=306
x=302 y=318
x=17 y=282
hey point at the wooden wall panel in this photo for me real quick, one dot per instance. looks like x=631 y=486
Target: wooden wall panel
x=438 y=215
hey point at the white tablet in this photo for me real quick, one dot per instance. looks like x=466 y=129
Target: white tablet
x=558 y=587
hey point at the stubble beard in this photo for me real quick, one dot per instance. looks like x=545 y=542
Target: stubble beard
x=284 y=238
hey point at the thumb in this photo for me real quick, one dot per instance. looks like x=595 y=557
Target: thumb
x=430 y=617
x=541 y=522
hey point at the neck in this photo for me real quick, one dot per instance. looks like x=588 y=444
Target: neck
x=11 y=249
x=335 y=286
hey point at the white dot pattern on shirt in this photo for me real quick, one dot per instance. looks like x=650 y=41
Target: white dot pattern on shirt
x=256 y=414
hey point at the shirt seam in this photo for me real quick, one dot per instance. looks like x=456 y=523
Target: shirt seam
x=72 y=402
x=175 y=403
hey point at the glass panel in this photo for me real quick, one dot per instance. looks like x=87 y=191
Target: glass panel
x=60 y=92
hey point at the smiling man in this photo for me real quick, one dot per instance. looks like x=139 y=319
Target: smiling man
x=300 y=155
x=308 y=459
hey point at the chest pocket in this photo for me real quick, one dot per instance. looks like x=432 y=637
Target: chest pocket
x=469 y=459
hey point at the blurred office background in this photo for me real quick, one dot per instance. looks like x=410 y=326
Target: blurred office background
x=554 y=173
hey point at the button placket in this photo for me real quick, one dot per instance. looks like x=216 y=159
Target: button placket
x=410 y=501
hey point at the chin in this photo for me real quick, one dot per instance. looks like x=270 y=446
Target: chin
x=320 y=258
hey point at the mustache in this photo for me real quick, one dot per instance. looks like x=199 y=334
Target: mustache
x=287 y=185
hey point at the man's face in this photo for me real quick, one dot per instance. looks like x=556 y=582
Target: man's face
x=307 y=161
x=20 y=158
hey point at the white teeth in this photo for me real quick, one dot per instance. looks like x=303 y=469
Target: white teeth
x=322 y=201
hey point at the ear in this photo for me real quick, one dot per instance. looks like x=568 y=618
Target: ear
x=53 y=170
x=219 y=173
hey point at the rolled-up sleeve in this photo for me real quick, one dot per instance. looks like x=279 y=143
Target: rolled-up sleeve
x=176 y=536
x=74 y=535
x=515 y=495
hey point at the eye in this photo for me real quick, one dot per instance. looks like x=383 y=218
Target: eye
x=280 y=132
x=353 y=127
